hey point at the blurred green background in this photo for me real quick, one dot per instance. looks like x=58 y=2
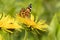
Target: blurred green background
x=48 y=10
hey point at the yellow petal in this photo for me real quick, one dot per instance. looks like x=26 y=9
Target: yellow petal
x=41 y=22
x=32 y=17
x=43 y=26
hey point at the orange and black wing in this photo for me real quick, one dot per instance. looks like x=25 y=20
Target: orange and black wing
x=25 y=12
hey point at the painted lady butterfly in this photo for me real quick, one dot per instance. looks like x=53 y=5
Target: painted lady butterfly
x=25 y=12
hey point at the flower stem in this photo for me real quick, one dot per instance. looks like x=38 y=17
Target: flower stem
x=26 y=34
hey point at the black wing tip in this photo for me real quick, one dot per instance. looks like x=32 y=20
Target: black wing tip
x=30 y=5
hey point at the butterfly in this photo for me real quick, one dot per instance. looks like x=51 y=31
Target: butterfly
x=25 y=12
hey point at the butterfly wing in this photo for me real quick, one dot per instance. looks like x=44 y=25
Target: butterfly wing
x=25 y=13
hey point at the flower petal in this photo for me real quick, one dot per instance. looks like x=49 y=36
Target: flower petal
x=32 y=17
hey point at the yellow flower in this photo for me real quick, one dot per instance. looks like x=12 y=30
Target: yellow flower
x=7 y=22
x=41 y=25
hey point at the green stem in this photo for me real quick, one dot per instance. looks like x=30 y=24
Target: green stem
x=25 y=37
